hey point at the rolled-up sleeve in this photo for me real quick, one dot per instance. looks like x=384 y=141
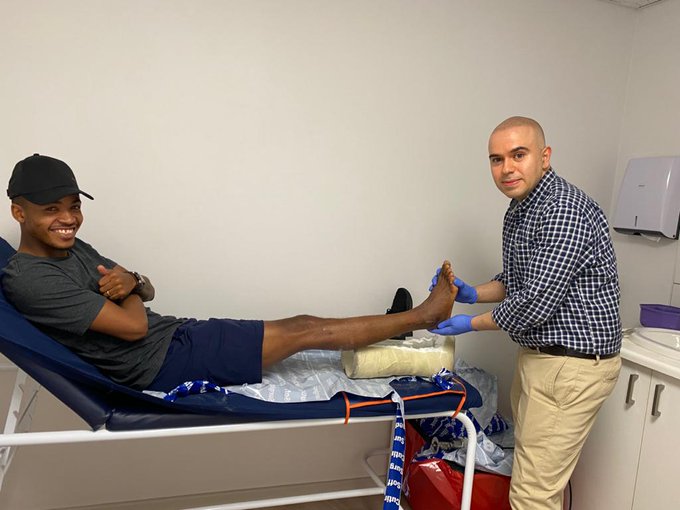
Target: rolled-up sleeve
x=546 y=264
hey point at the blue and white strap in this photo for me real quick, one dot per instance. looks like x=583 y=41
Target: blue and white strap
x=395 y=472
x=446 y=380
x=193 y=388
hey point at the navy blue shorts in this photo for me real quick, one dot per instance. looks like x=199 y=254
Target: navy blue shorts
x=222 y=351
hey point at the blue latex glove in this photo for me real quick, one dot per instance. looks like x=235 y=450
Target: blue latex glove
x=466 y=293
x=435 y=279
x=456 y=325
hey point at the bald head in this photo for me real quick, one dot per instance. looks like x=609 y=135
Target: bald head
x=518 y=156
x=515 y=122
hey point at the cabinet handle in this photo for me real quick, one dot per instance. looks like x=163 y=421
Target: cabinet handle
x=657 y=396
x=631 y=386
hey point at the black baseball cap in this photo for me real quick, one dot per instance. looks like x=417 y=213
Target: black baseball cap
x=43 y=180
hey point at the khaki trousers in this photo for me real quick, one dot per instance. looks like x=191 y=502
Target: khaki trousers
x=554 y=403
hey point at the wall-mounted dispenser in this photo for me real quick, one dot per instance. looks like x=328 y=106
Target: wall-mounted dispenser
x=649 y=199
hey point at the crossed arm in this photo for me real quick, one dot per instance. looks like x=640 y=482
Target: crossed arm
x=123 y=314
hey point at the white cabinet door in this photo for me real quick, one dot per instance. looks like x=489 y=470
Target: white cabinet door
x=657 y=480
x=604 y=478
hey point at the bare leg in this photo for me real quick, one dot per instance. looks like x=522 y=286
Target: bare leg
x=285 y=337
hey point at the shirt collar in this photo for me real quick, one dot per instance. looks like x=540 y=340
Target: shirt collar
x=536 y=195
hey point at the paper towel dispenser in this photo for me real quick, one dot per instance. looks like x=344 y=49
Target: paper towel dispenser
x=649 y=199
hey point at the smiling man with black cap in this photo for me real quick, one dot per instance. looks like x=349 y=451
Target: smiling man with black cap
x=65 y=287
x=44 y=181
x=95 y=307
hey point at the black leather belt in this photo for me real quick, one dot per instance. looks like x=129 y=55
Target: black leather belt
x=559 y=350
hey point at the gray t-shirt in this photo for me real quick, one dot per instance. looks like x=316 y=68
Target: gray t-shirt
x=61 y=297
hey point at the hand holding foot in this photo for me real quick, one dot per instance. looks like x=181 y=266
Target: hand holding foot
x=456 y=325
x=466 y=293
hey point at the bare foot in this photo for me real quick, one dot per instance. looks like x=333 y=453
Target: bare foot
x=437 y=307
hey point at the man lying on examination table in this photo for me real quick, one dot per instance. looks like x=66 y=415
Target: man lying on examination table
x=559 y=300
x=95 y=306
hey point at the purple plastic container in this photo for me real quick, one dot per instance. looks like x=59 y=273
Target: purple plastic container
x=660 y=316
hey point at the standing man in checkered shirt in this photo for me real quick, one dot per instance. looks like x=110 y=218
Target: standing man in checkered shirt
x=558 y=299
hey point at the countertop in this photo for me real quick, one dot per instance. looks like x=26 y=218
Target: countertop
x=658 y=362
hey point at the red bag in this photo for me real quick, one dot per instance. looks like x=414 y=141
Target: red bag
x=436 y=484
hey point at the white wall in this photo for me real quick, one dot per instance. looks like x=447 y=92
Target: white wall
x=650 y=128
x=266 y=158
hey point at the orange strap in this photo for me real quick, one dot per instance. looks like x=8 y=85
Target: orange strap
x=349 y=406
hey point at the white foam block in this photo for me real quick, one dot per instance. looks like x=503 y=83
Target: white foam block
x=416 y=356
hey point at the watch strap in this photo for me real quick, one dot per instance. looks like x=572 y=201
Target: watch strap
x=139 y=279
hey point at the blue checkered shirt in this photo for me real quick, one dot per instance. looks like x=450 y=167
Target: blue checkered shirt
x=559 y=271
